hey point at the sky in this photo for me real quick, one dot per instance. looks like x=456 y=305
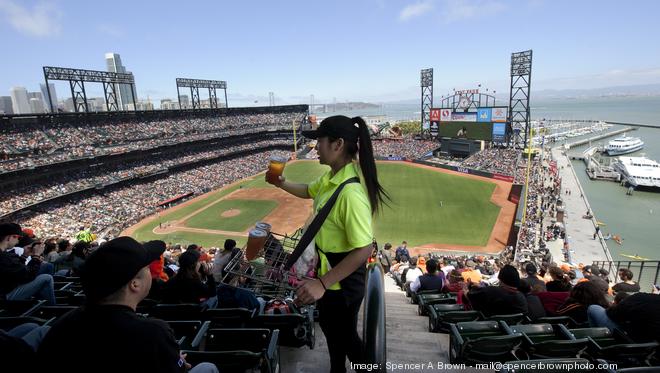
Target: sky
x=358 y=50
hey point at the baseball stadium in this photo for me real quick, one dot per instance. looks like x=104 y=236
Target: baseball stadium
x=164 y=220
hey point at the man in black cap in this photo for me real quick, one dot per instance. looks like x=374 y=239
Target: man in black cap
x=499 y=300
x=18 y=280
x=109 y=336
x=535 y=283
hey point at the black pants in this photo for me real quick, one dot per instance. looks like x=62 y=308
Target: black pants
x=338 y=319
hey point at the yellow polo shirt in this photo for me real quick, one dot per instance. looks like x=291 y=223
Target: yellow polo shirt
x=349 y=224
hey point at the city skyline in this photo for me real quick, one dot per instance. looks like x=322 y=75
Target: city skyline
x=364 y=51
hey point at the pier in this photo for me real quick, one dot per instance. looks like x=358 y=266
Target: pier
x=598 y=137
x=579 y=231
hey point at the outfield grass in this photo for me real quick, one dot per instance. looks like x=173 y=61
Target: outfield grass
x=466 y=217
x=251 y=212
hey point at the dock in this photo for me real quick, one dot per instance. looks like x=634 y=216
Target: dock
x=598 y=137
x=579 y=231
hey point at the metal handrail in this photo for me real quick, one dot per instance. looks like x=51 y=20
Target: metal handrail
x=373 y=334
x=637 y=266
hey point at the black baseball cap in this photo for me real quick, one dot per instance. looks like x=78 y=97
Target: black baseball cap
x=338 y=126
x=10 y=229
x=114 y=264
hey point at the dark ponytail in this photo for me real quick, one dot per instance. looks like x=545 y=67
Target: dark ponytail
x=377 y=195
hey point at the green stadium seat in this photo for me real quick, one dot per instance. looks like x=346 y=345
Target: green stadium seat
x=549 y=366
x=542 y=341
x=186 y=331
x=234 y=350
x=510 y=319
x=7 y=323
x=228 y=317
x=414 y=297
x=295 y=330
x=48 y=312
x=614 y=346
x=186 y=311
x=424 y=300
x=482 y=342
x=441 y=315
x=564 y=320
x=9 y=308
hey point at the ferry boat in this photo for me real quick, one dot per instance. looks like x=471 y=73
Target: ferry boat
x=624 y=145
x=639 y=171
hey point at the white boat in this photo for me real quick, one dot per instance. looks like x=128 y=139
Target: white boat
x=624 y=145
x=639 y=171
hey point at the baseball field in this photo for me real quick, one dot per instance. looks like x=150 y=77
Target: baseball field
x=431 y=208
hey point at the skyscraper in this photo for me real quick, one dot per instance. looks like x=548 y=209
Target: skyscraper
x=19 y=100
x=124 y=91
x=40 y=106
x=5 y=105
x=49 y=100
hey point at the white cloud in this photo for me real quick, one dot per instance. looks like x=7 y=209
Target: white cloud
x=461 y=10
x=42 y=20
x=415 y=10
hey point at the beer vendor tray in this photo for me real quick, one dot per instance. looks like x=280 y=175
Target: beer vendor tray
x=265 y=274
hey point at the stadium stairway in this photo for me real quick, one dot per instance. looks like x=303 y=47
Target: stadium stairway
x=408 y=341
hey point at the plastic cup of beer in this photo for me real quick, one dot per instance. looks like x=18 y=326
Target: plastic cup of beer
x=255 y=243
x=263 y=226
x=275 y=169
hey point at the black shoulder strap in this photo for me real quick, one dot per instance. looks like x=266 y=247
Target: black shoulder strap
x=316 y=224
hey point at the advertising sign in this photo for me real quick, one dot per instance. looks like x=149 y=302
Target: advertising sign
x=435 y=115
x=499 y=114
x=499 y=130
x=463 y=117
x=484 y=115
x=445 y=115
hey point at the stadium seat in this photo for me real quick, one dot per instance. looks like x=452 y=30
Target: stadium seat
x=614 y=346
x=227 y=317
x=7 y=323
x=510 y=319
x=186 y=331
x=10 y=308
x=542 y=341
x=549 y=365
x=186 y=311
x=424 y=300
x=482 y=342
x=563 y=320
x=295 y=330
x=48 y=312
x=441 y=315
x=234 y=350
x=414 y=297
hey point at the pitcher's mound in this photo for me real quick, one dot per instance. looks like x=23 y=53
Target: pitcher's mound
x=230 y=213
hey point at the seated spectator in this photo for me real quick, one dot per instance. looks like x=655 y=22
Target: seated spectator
x=221 y=260
x=187 y=286
x=499 y=300
x=551 y=300
x=534 y=306
x=583 y=295
x=234 y=296
x=115 y=278
x=410 y=274
x=157 y=269
x=20 y=280
x=469 y=273
x=431 y=280
x=637 y=314
x=535 y=283
x=627 y=285
x=386 y=257
x=455 y=282
x=560 y=280
x=50 y=251
x=401 y=251
x=69 y=265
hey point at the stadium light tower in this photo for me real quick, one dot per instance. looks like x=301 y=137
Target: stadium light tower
x=427 y=100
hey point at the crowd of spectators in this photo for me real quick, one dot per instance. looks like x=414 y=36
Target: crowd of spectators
x=495 y=160
x=113 y=210
x=28 y=147
x=11 y=200
x=406 y=147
